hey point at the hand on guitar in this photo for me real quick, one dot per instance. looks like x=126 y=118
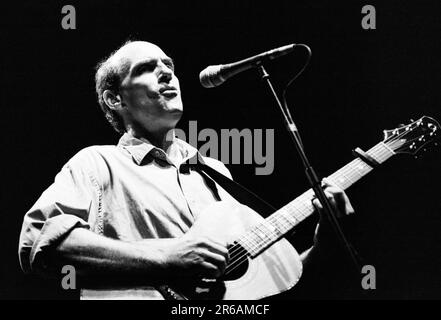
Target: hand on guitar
x=339 y=200
x=199 y=257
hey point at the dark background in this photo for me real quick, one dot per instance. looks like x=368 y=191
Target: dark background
x=358 y=83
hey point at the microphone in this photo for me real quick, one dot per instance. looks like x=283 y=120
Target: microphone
x=214 y=76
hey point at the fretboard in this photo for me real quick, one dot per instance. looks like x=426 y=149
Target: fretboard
x=263 y=235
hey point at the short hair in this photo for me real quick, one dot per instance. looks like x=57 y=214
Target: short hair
x=109 y=76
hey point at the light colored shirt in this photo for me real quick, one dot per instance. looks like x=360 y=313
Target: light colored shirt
x=130 y=192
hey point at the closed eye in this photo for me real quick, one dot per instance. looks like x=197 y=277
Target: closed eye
x=150 y=65
x=144 y=67
x=169 y=63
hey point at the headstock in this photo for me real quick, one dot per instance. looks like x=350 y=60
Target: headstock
x=412 y=137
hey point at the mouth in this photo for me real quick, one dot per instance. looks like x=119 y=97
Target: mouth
x=169 y=91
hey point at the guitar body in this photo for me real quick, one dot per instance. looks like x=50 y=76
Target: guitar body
x=275 y=270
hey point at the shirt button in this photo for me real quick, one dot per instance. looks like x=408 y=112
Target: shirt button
x=159 y=154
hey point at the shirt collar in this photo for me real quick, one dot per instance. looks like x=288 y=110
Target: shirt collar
x=139 y=149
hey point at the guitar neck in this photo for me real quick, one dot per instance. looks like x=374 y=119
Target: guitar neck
x=285 y=219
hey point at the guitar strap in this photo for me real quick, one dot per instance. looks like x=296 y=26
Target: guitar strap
x=236 y=190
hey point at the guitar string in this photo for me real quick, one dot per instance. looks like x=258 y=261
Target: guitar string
x=386 y=153
x=277 y=225
x=408 y=141
x=236 y=261
x=273 y=219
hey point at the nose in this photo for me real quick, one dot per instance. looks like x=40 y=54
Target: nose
x=165 y=73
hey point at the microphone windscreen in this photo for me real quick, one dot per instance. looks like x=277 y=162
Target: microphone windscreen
x=210 y=77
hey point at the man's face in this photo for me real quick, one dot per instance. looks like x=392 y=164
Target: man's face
x=150 y=90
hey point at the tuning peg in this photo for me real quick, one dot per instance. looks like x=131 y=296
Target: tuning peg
x=421 y=154
x=411 y=120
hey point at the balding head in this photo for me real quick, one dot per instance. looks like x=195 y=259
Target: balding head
x=121 y=72
x=109 y=74
x=112 y=71
x=134 y=49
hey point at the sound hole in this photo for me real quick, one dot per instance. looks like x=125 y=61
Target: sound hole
x=238 y=263
x=215 y=289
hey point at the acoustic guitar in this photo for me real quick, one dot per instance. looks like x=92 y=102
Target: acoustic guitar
x=262 y=262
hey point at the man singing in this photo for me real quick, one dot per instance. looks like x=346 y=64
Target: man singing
x=124 y=211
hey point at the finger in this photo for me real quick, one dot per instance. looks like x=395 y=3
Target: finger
x=345 y=204
x=341 y=199
x=333 y=189
x=349 y=209
x=210 y=270
x=207 y=270
x=217 y=247
x=328 y=183
x=214 y=258
x=318 y=206
x=331 y=200
x=316 y=203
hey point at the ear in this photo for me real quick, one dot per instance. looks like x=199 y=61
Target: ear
x=113 y=101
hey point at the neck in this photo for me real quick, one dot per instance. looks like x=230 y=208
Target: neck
x=161 y=139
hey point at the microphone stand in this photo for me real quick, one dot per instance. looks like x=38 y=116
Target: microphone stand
x=310 y=173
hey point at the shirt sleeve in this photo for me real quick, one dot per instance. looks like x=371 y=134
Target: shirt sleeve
x=65 y=205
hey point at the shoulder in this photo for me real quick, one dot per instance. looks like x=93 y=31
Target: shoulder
x=92 y=155
x=93 y=161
